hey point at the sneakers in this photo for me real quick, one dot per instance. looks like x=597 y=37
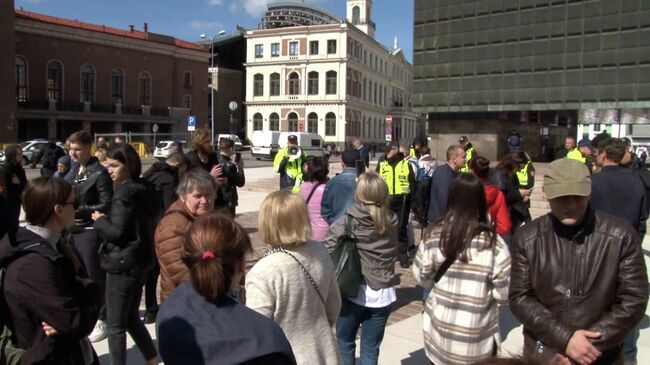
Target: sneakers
x=150 y=316
x=99 y=332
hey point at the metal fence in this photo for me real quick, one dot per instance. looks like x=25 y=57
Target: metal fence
x=145 y=143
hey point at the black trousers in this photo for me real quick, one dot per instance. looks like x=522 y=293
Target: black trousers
x=87 y=244
x=401 y=205
x=150 y=286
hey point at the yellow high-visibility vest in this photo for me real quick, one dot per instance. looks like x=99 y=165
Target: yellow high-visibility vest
x=468 y=157
x=293 y=169
x=575 y=154
x=396 y=178
x=522 y=175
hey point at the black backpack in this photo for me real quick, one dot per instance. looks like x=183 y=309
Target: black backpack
x=420 y=202
x=9 y=353
x=51 y=157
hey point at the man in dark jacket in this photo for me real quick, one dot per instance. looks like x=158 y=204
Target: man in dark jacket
x=94 y=191
x=233 y=173
x=364 y=154
x=48 y=157
x=578 y=283
x=442 y=179
x=340 y=190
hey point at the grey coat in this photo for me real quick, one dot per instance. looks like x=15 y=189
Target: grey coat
x=377 y=252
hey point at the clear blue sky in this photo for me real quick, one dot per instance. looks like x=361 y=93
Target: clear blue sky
x=187 y=19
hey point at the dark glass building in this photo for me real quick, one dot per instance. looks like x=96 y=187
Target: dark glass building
x=543 y=61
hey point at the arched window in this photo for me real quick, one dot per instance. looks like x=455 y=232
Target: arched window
x=294 y=83
x=54 y=81
x=258 y=85
x=356 y=15
x=330 y=82
x=292 y=118
x=257 y=122
x=330 y=124
x=312 y=123
x=274 y=122
x=21 y=79
x=144 y=88
x=87 y=77
x=117 y=86
x=274 y=83
x=312 y=83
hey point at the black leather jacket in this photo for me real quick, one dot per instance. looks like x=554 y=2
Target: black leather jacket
x=93 y=191
x=593 y=278
x=227 y=193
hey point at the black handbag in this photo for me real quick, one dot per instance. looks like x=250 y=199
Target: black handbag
x=347 y=264
x=119 y=260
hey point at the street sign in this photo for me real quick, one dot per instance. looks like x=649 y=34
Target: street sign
x=389 y=119
x=233 y=106
x=154 y=128
x=389 y=137
x=191 y=123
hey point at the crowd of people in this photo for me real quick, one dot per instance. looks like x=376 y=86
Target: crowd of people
x=100 y=232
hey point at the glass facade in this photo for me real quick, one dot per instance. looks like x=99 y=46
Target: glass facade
x=481 y=55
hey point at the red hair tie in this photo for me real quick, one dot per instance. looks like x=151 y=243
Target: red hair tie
x=207 y=256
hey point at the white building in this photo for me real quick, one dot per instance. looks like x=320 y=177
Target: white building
x=332 y=79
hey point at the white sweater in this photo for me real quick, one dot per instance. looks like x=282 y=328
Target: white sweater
x=278 y=288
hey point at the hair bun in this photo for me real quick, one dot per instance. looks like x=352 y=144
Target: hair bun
x=207 y=256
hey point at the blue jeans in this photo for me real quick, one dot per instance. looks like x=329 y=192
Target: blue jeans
x=373 y=322
x=629 y=344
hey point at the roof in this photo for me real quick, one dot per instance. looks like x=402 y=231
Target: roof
x=135 y=34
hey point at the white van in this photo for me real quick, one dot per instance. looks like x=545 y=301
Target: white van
x=265 y=144
x=238 y=145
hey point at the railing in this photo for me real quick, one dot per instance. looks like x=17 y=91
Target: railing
x=34 y=104
x=160 y=112
x=128 y=109
x=101 y=108
x=72 y=107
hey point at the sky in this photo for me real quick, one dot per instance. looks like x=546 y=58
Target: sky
x=187 y=19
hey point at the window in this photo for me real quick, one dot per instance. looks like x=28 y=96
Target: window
x=313 y=47
x=54 y=81
x=274 y=122
x=294 y=84
x=330 y=124
x=21 y=79
x=258 y=85
x=117 y=86
x=275 y=49
x=257 y=122
x=187 y=79
x=274 y=82
x=187 y=101
x=331 y=46
x=259 y=50
x=293 y=122
x=144 y=88
x=312 y=83
x=312 y=123
x=330 y=83
x=293 y=48
x=87 y=84
x=356 y=15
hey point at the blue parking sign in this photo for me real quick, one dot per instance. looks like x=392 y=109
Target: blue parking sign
x=191 y=123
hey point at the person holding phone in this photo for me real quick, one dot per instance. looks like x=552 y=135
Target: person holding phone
x=233 y=174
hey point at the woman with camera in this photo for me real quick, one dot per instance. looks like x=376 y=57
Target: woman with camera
x=375 y=228
x=203 y=322
x=49 y=303
x=126 y=253
x=294 y=283
x=233 y=177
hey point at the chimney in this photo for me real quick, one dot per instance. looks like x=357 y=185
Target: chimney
x=146 y=27
x=131 y=28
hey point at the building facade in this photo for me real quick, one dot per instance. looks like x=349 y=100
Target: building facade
x=7 y=69
x=72 y=75
x=539 y=62
x=331 y=79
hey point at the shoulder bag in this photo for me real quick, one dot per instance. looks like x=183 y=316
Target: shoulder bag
x=347 y=264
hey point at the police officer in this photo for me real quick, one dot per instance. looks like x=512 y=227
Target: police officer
x=288 y=163
x=398 y=174
x=584 y=153
x=469 y=153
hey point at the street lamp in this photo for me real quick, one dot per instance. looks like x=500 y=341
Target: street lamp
x=203 y=35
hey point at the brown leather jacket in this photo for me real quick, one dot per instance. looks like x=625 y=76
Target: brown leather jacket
x=595 y=280
x=169 y=239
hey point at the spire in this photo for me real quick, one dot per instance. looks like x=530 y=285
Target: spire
x=395 y=44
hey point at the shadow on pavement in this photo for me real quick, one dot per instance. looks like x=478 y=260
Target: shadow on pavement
x=507 y=321
x=406 y=295
x=416 y=358
x=133 y=356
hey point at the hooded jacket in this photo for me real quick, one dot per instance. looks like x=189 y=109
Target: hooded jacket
x=496 y=204
x=41 y=285
x=192 y=330
x=165 y=177
x=377 y=252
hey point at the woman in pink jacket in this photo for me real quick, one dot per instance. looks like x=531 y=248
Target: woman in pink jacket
x=315 y=170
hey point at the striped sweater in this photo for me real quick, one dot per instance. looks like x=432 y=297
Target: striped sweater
x=461 y=322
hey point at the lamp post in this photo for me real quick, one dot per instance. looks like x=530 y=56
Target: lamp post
x=222 y=32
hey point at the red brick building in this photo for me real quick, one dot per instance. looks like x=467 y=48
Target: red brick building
x=71 y=75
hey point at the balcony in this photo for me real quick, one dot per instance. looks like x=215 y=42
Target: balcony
x=84 y=110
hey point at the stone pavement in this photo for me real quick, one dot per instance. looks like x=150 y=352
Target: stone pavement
x=402 y=342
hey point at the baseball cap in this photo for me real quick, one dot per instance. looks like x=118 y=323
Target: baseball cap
x=585 y=142
x=292 y=138
x=463 y=139
x=567 y=177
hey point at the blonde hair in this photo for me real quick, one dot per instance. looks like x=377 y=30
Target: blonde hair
x=373 y=193
x=101 y=155
x=284 y=220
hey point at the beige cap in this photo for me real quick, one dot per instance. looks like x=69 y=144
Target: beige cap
x=567 y=177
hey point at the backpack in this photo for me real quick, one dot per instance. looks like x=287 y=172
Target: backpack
x=9 y=353
x=420 y=200
x=156 y=210
x=347 y=263
x=51 y=157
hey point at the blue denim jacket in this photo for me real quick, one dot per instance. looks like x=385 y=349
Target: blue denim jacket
x=338 y=195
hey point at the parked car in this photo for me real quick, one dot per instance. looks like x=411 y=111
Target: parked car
x=31 y=149
x=238 y=145
x=165 y=148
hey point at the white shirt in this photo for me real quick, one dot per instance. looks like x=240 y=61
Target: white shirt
x=368 y=297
